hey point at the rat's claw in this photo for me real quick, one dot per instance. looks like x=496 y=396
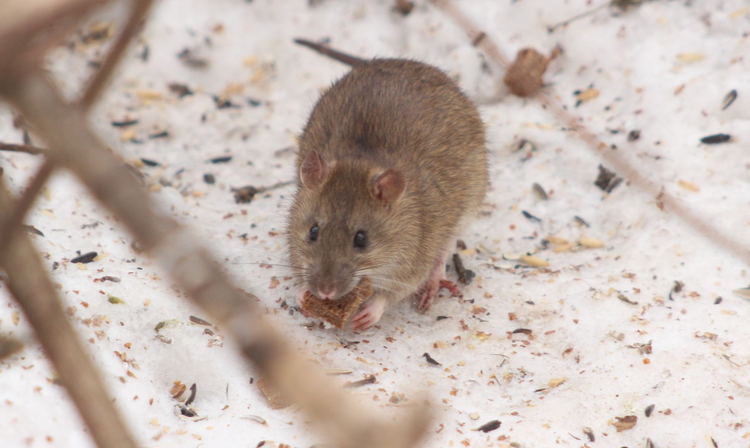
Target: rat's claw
x=369 y=315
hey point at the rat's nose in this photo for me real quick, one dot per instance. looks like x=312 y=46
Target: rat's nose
x=326 y=289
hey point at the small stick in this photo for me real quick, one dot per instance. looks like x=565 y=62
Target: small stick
x=12 y=223
x=347 y=59
x=28 y=149
x=621 y=165
x=551 y=28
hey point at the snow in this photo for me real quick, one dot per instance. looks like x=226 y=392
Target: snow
x=697 y=374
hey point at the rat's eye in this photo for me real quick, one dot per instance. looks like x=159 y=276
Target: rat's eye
x=314 y=233
x=360 y=239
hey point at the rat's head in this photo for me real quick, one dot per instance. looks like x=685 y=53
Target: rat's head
x=342 y=224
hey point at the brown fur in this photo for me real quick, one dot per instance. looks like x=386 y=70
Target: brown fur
x=397 y=114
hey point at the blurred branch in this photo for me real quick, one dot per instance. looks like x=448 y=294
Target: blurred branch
x=28 y=149
x=35 y=293
x=96 y=85
x=65 y=129
x=547 y=97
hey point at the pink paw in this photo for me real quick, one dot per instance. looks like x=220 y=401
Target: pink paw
x=430 y=290
x=369 y=315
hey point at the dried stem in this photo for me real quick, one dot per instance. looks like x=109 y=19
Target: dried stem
x=35 y=293
x=28 y=149
x=96 y=85
x=16 y=212
x=547 y=98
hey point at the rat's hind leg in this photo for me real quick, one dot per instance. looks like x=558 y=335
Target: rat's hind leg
x=435 y=281
x=370 y=314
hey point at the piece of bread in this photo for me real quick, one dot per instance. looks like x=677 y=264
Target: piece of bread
x=337 y=312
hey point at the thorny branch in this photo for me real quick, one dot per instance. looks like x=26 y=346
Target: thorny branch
x=547 y=99
x=65 y=129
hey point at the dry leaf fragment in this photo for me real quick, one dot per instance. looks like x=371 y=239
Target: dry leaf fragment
x=524 y=76
x=625 y=423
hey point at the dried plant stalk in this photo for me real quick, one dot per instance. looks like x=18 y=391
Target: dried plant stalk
x=29 y=283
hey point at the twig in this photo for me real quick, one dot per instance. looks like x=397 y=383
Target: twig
x=551 y=28
x=621 y=165
x=16 y=212
x=65 y=129
x=93 y=90
x=28 y=149
x=35 y=293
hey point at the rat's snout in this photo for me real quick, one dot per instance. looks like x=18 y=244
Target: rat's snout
x=327 y=288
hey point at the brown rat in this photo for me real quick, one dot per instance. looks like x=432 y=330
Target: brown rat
x=391 y=163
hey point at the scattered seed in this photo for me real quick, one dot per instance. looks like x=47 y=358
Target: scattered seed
x=533 y=260
x=209 y=179
x=254 y=418
x=634 y=135
x=728 y=99
x=442 y=317
x=688 y=185
x=32 y=229
x=114 y=300
x=556 y=239
x=370 y=379
x=244 y=195
x=199 y=321
x=161 y=134
x=188 y=57
x=718 y=300
x=590 y=434
x=716 y=139
x=181 y=90
x=85 y=258
x=177 y=389
x=489 y=426
x=581 y=221
x=109 y=278
x=625 y=299
x=607 y=180
x=525 y=331
x=124 y=123
x=539 y=191
x=523 y=145
x=676 y=288
x=149 y=162
x=649 y=410
x=649 y=443
x=460 y=245
x=591 y=243
x=529 y=216
x=222 y=159
x=625 y=423
x=337 y=372
x=430 y=360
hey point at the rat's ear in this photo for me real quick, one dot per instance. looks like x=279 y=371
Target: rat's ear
x=313 y=170
x=389 y=186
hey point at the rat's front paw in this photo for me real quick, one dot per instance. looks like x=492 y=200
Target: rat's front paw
x=369 y=315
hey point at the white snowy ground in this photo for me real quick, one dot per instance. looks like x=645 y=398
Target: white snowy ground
x=661 y=68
